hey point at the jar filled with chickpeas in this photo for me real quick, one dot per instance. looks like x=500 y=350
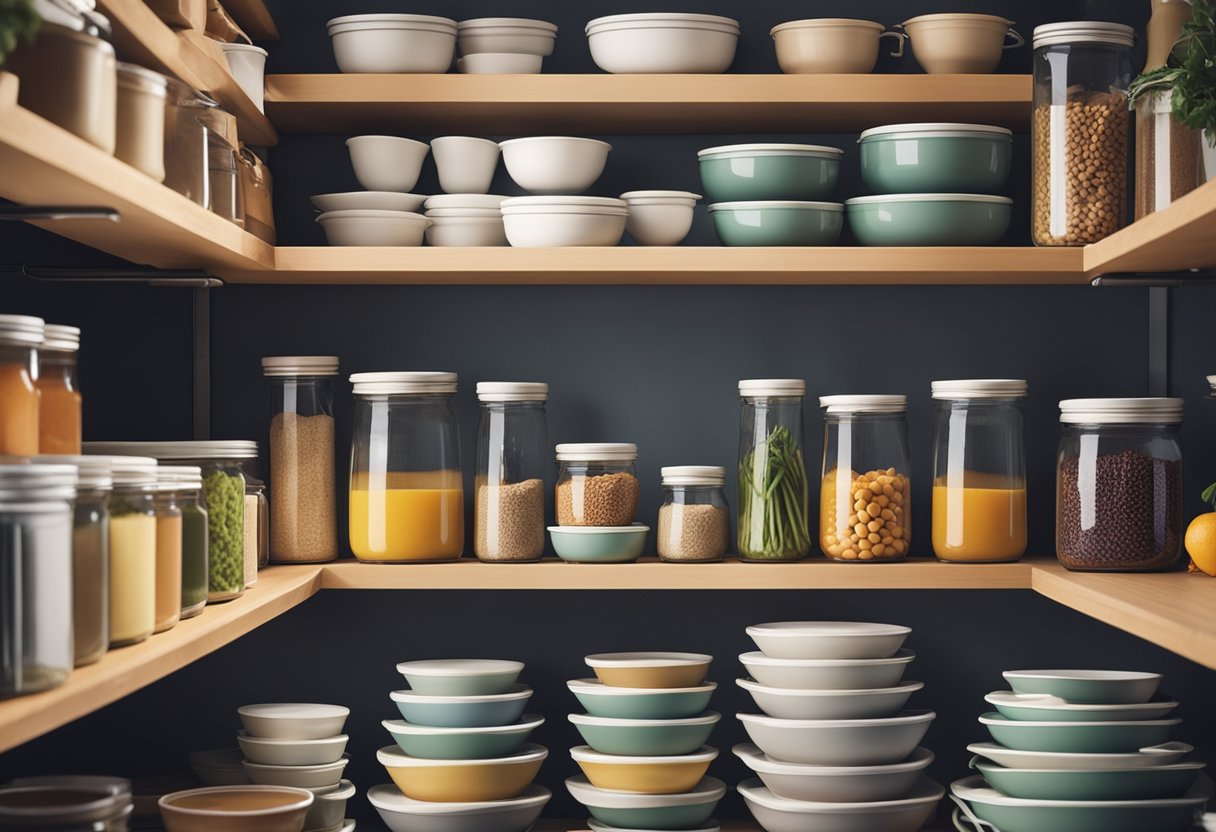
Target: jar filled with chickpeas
x=1082 y=71
x=865 y=502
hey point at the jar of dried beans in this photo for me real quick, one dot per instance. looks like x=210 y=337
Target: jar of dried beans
x=694 y=520
x=597 y=484
x=1080 y=131
x=1119 y=485
x=865 y=501
x=512 y=461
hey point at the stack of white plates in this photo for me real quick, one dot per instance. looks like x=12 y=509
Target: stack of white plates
x=663 y=43
x=393 y=42
x=510 y=45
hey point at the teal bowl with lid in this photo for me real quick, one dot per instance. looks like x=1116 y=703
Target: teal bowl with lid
x=641 y=703
x=778 y=223
x=749 y=172
x=936 y=158
x=1078 y=737
x=929 y=219
x=1153 y=783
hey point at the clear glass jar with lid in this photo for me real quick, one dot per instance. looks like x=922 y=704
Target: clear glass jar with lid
x=35 y=576
x=694 y=519
x=132 y=549
x=257 y=529
x=195 y=572
x=172 y=480
x=1082 y=71
x=303 y=505
x=597 y=484
x=59 y=400
x=65 y=804
x=774 y=495
x=865 y=502
x=1119 y=484
x=20 y=338
x=979 y=470
x=406 y=487
x=512 y=464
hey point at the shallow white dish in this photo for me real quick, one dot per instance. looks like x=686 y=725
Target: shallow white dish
x=299 y=777
x=1047 y=708
x=373 y=228
x=827 y=674
x=461 y=677
x=466 y=164
x=660 y=218
x=404 y=814
x=393 y=43
x=663 y=43
x=530 y=224
x=507 y=35
x=839 y=742
x=466 y=231
x=777 y=814
x=293 y=720
x=369 y=200
x=828 y=639
x=709 y=789
x=555 y=164
x=1157 y=755
x=787 y=703
x=387 y=163
x=274 y=752
x=499 y=63
x=836 y=784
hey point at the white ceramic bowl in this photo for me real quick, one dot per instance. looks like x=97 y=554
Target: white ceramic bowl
x=221 y=767
x=466 y=213
x=466 y=231
x=461 y=677
x=299 y=777
x=663 y=43
x=499 y=63
x=839 y=742
x=293 y=720
x=530 y=223
x=466 y=165
x=778 y=814
x=827 y=674
x=387 y=163
x=273 y=752
x=329 y=808
x=788 y=703
x=373 y=200
x=1165 y=754
x=393 y=43
x=836 y=784
x=248 y=65
x=403 y=814
x=373 y=228
x=828 y=639
x=464 y=201
x=506 y=35
x=555 y=164
x=709 y=790
x=660 y=218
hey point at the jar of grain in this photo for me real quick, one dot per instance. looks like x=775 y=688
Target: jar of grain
x=774 y=495
x=1119 y=485
x=132 y=549
x=597 y=484
x=694 y=520
x=406 y=486
x=512 y=461
x=865 y=501
x=169 y=478
x=1080 y=131
x=20 y=338
x=1168 y=154
x=59 y=401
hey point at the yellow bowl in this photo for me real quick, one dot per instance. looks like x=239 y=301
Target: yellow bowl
x=650 y=670
x=463 y=781
x=644 y=775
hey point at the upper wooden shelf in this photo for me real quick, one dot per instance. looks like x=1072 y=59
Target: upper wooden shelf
x=253 y=17
x=621 y=104
x=1176 y=238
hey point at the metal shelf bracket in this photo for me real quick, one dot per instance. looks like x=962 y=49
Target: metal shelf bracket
x=171 y=278
x=25 y=213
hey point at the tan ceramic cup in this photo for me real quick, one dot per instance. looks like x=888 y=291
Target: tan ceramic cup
x=960 y=43
x=831 y=45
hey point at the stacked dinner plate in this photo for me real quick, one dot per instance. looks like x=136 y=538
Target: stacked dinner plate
x=461 y=757
x=834 y=750
x=645 y=760
x=1079 y=750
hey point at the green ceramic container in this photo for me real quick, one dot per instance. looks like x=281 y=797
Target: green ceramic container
x=602 y=544
x=1091 y=687
x=778 y=223
x=1078 y=737
x=461 y=743
x=936 y=158
x=641 y=703
x=929 y=219
x=462 y=711
x=646 y=737
x=747 y=172
x=1157 y=783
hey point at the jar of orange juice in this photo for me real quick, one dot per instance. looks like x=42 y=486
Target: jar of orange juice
x=406 y=489
x=979 y=471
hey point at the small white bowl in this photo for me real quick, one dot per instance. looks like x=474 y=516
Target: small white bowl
x=776 y=814
x=507 y=35
x=836 y=784
x=387 y=163
x=839 y=742
x=466 y=165
x=660 y=218
x=273 y=752
x=393 y=43
x=329 y=808
x=555 y=164
x=293 y=720
x=248 y=65
x=499 y=63
x=299 y=777
x=374 y=228
x=563 y=230
x=788 y=703
x=828 y=639
x=463 y=201
x=827 y=674
x=466 y=231
x=663 y=43
x=373 y=200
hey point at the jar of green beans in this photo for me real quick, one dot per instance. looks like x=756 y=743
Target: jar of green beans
x=774 y=496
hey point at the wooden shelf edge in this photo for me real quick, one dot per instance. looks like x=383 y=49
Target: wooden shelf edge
x=253 y=17
x=1176 y=238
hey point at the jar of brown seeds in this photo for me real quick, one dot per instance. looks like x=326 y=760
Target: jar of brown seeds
x=597 y=484
x=512 y=463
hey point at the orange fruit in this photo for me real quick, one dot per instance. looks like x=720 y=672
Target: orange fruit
x=1201 y=543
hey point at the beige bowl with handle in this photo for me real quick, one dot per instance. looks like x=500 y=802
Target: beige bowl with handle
x=831 y=45
x=969 y=44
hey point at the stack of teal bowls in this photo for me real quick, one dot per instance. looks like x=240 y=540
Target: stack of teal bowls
x=645 y=760
x=773 y=194
x=1079 y=750
x=462 y=761
x=936 y=185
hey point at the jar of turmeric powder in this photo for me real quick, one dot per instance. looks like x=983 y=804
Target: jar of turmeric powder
x=20 y=338
x=59 y=403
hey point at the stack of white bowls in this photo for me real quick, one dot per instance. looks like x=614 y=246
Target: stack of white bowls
x=393 y=42
x=504 y=45
x=386 y=214
x=660 y=218
x=834 y=750
x=465 y=220
x=658 y=42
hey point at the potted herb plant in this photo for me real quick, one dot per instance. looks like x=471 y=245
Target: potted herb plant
x=18 y=23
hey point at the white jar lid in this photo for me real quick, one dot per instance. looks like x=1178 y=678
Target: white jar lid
x=512 y=391
x=597 y=452
x=300 y=365
x=1083 y=31
x=37 y=482
x=769 y=149
x=21 y=330
x=388 y=384
x=981 y=388
x=762 y=388
x=191 y=449
x=933 y=129
x=61 y=337
x=1135 y=411
x=863 y=404
x=179 y=477
x=693 y=475
x=92 y=472
x=132 y=471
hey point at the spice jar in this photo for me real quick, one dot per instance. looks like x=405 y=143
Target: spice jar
x=1119 y=485
x=512 y=460
x=865 y=505
x=406 y=488
x=59 y=401
x=172 y=480
x=257 y=529
x=20 y=338
x=694 y=520
x=132 y=549
x=73 y=805
x=1080 y=131
x=35 y=576
x=774 y=496
x=979 y=470
x=194 y=547
x=597 y=484
x=303 y=509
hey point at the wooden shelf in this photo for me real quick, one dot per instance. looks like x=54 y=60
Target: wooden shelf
x=534 y=104
x=253 y=17
x=1176 y=238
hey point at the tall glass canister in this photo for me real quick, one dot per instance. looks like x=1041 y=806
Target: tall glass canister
x=20 y=338
x=59 y=400
x=512 y=461
x=169 y=538
x=132 y=550
x=774 y=495
x=194 y=543
x=979 y=470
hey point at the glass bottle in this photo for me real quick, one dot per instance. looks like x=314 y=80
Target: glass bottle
x=694 y=519
x=132 y=550
x=774 y=495
x=59 y=400
x=512 y=461
x=20 y=338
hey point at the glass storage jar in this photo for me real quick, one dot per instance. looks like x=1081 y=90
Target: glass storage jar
x=406 y=487
x=170 y=482
x=35 y=576
x=512 y=461
x=865 y=505
x=77 y=804
x=20 y=338
x=774 y=495
x=187 y=169
x=194 y=547
x=303 y=506
x=59 y=400
x=1080 y=131
x=1119 y=485
x=979 y=470
x=694 y=520
x=597 y=484
x=132 y=549
x=257 y=529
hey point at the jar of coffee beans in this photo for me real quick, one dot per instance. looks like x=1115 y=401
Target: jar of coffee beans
x=694 y=520
x=597 y=484
x=1080 y=131
x=1119 y=485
